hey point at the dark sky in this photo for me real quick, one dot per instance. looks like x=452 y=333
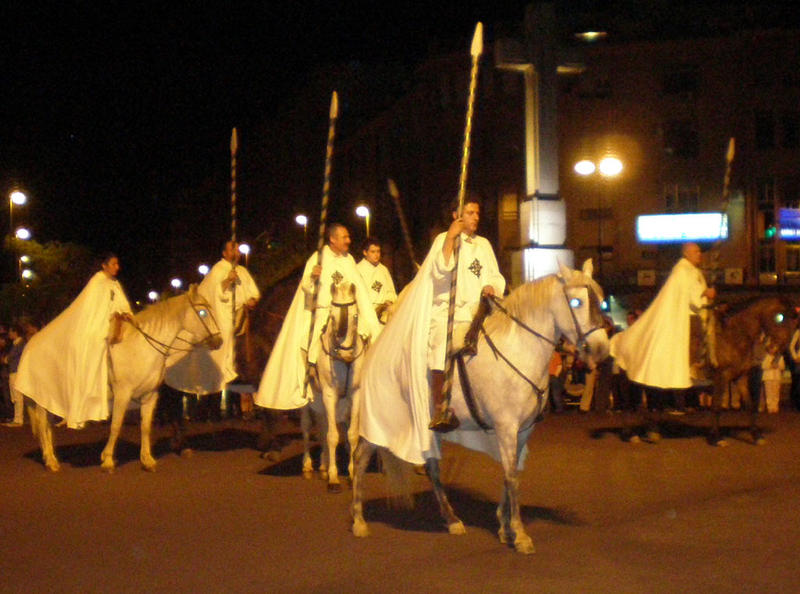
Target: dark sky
x=109 y=108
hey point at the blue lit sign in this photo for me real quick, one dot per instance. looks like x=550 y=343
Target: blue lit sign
x=789 y=221
x=679 y=228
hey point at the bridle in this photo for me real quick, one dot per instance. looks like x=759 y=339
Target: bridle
x=338 y=350
x=164 y=348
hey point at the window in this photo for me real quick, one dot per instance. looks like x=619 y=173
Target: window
x=764 y=130
x=680 y=139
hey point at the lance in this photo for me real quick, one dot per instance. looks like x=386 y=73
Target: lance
x=323 y=217
x=476 y=50
x=726 y=191
x=395 y=194
x=234 y=150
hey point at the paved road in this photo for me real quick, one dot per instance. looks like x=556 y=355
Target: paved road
x=605 y=516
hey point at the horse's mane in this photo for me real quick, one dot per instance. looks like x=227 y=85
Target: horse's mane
x=522 y=300
x=154 y=317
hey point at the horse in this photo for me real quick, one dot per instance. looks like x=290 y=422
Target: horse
x=500 y=392
x=741 y=342
x=338 y=375
x=157 y=338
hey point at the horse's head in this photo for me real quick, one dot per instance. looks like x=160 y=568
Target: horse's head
x=341 y=331
x=199 y=321
x=777 y=320
x=577 y=312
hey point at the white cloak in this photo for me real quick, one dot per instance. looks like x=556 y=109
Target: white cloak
x=654 y=351
x=283 y=379
x=378 y=281
x=64 y=367
x=395 y=401
x=204 y=371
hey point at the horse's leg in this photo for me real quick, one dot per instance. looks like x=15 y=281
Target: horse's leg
x=509 y=445
x=148 y=408
x=361 y=456
x=454 y=525
x=503 y=517
x=43 y=431
x=755 y=432
x=720 y=383
x=329 y=398
x=121 y=400
x=305 y=428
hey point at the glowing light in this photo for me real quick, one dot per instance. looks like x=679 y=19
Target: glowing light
x=27 y=274
x=203 y=269
x=610 y=166
x=590 y=36
x=24 y=259
x=23 y=233
x=152 y=295
x=176 y=283
x=679 y=228
x=362 y=211
x=584 y=167
x=244 y=249
x=301 y=219
x=18 y=197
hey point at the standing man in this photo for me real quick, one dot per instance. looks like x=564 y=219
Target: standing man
x=654 y=350
x=15 y=335
x=64 y=367
x=404 y=370
x=283 y=383
x=377 y=278
x=227 y=284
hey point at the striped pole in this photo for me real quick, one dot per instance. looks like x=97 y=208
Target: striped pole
x=395 y=194
x=323 y=215
x=234 y=150
x=476 y=50
x=726 y=192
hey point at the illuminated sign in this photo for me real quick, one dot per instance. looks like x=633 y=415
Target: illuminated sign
x=789 y=220
x=678 y=228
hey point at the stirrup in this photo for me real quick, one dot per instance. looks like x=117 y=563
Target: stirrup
x=444 y=421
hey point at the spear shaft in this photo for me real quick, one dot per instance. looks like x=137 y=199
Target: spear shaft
x=234 y=150
x=476 y=50
x=323 y=217
x=395 y=194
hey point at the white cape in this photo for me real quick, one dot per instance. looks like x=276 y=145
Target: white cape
x=205 y=371
x=282 y=383
x=654 y=351
x=64 y=367
x=395 y=403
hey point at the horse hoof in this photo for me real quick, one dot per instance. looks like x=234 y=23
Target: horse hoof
x=187 y=453
x=107 y=468
x=503 y=536
x=525 y=546
x=721 y=443
x=360 y=529
x=149 y=467
x=760 y=441
x=634 y=439
x=334 y=488
x=308 y=474
x=53 y=466
x=271 y=456
x=457 y=528
x=653 y=437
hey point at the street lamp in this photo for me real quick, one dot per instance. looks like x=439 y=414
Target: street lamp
x=176 y=283
x=244 y=248
x=23 y=234
x=302 y=220
x=19 y=198
x=608 y=167
x=203 y=269
x=152 y=295
x=363 y=212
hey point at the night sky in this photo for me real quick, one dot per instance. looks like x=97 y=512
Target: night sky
x=111 y=108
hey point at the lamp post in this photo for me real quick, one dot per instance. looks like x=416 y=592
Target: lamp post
x=203 y=269
x=19 y=198
x=302 y=220
x=608 y=167
x=23 y=233
x=244 y=248
x=363 y=212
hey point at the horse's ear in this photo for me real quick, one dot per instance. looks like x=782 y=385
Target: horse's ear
x=564 y=272
x=588 y=268
x=192 y=290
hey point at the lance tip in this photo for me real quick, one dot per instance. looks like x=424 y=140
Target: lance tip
x=234 y=141
x=477 y=41
x=731 y=149
x=392 y=188
x=334 y=113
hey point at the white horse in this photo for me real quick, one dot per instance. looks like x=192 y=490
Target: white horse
x=157 y=338
x=499 y=392
x=338 y=375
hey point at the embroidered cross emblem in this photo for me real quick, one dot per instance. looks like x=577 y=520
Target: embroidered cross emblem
x=476 y=267
x=336 y=277
x=377 y=286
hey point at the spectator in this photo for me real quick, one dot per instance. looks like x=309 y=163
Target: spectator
x=772 y=370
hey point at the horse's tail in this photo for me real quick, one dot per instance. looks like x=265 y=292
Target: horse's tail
x=398 y=478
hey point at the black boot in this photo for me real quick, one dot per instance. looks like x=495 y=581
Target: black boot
x=444 y=419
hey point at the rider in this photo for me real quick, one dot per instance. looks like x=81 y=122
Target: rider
x=377 y=278
x=64 y=367
x=205 y=371
x=407 y=362
x=654 y=350
x=284 y=380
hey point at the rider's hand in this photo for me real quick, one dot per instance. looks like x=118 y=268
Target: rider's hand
x=315 y=272
x=456 y=228
x=710 y=293
x=487 y=291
